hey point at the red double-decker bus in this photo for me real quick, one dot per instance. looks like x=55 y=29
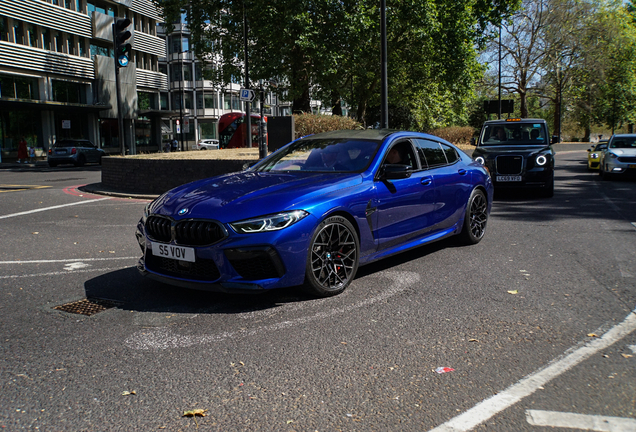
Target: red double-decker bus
x=233 y=130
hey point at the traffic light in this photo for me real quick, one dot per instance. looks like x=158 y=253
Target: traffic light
x=121 y=34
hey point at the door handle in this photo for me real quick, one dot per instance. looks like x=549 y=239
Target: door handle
x=462 y=172
x=426 y=181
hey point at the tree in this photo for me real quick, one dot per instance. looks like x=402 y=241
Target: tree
x=329 y=49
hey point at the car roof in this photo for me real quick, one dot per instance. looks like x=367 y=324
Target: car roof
x=627 y=135
x=363 y=134
x=521 y=120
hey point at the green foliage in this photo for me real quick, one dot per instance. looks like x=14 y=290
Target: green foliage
x=308 y=124
x=330 y=50
x=458 y=135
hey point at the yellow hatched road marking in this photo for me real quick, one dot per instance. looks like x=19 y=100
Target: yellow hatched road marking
x=17 y=188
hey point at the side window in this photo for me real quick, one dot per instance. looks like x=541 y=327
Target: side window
x=401 y=153
x=431 y=153
x=451 y=154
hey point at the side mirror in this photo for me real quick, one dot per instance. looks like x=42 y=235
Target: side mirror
x=555 y=139
x=396 y=171
x=473 y=141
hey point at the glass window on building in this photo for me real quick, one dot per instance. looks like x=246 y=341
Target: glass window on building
x=46 y=39
x=82 y=47
x=102 y=51
x=208 y=129
x=18 y=87
x=235 y=102
x=176 y=101
x=68 y=4
x=147 y=100
x=163 y=100
x=187 y=72
x=18 y=33
x=32 y=36
x=67 y=91
x=71 y=46
x=211 y=101
x=163 y=69
x=187 y=100
x=227 y=101
x=199 y=100
x=176 y=72
x=78 y=5
x=4 y=29
x=59 y=42
x=14 y=125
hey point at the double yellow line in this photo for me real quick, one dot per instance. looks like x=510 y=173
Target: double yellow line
x=18 y=188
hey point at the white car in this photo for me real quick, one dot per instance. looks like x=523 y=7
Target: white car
x=619 y=157
x=207 y=144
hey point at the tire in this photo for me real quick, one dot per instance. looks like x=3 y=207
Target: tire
x=81 y=161
x=332 y=258
x=476 y=218
x=604 y=174
x=52 y=164
x=99 y=161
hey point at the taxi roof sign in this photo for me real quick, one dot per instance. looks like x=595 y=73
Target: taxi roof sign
x=513 y=119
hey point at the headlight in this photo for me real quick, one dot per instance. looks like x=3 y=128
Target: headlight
x=542 y=160
x=480 y=160
x=268 y=223
x=594 y=155
x=612 y=155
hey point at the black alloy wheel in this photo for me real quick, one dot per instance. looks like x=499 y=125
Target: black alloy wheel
x=476 y=218
x=81 y=161
x=332 y=259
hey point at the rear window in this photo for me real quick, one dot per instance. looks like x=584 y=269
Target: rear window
x=72 y=143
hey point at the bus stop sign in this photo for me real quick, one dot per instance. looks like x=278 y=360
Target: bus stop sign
x=247 y=95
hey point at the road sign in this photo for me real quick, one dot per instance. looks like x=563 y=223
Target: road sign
x=247 y=95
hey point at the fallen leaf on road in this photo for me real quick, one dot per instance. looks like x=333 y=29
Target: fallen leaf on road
x=627 y=355
x=195 y=413
x=513 y=292
x=592 y=335
x=473 y=340
x=127 y=393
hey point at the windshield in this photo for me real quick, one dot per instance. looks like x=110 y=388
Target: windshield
x=322 y=155
x=623 y=142
x=514 y=134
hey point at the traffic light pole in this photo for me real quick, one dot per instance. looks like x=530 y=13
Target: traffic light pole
x=121 y=52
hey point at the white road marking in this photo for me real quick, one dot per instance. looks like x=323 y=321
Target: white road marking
x=52 y=208
x=634 y=223
x=65 y=260
x=75 y=266
x=632 y=347
x=528 y=385
x=580 y=421
x=164 y=338
x=58 y=273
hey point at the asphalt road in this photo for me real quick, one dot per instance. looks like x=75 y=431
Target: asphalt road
x=536 y=320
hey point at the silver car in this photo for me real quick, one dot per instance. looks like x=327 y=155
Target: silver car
x=207 y=144
x=74 y=151
x=619 y=157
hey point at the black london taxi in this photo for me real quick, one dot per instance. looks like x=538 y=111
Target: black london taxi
x=518 y=153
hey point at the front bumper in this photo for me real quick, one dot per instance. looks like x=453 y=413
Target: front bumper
x=238 y=263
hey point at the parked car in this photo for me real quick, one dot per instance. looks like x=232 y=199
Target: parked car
x=313 y=211
x=594 y=153
x=206 y=144
x=518 y=153
x=619 y=158
x=74 y=151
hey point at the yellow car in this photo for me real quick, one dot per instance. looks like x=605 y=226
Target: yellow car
x=593 y=154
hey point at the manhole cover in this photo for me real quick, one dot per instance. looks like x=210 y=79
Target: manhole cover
x=87 y=307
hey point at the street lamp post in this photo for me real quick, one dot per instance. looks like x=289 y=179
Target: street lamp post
x=384 y=97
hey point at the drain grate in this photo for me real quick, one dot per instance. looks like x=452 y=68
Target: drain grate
x=87 y=307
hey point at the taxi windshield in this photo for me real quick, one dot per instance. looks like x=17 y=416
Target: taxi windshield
x=514 y=134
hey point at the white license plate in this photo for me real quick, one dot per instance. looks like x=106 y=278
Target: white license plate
x=180 y=253
x=508 y=178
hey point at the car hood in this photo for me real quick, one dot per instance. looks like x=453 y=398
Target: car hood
x=623 y=152
x=243 y=195
x=492 y=151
